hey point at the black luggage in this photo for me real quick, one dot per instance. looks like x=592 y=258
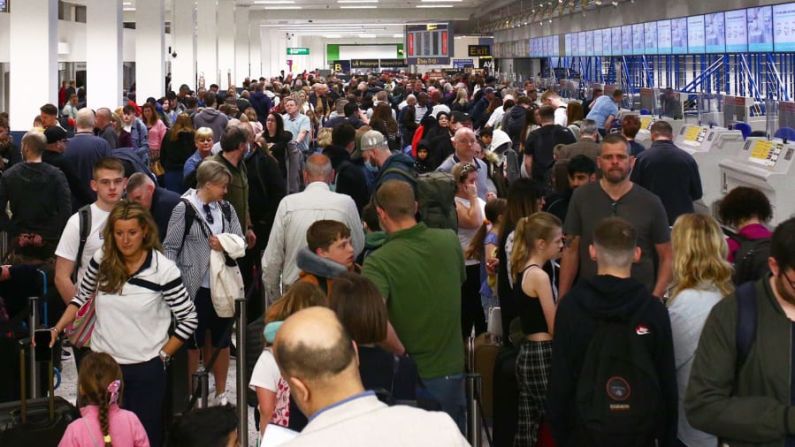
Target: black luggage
x=40 y=422
x=506 y=397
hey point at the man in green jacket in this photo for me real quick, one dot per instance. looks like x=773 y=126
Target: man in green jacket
x=419 y=272
x=750 y=402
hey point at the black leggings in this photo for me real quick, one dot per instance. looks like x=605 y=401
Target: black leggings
x=471 y=307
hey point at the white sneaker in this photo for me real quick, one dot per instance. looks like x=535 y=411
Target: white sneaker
x=219 y=400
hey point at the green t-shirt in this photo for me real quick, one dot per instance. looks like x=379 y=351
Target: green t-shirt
x=419 y=271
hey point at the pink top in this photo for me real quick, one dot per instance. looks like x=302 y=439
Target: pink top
x=156 y=134
x=125 y=429
x=751 y=232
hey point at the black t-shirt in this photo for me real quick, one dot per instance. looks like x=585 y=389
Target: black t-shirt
x=541 y=144
x=379 y=371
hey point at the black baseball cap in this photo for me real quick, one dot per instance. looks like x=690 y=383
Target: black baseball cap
x=461 y=117
x=55 y=134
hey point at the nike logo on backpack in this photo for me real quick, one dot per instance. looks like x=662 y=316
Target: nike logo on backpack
x=642 y=330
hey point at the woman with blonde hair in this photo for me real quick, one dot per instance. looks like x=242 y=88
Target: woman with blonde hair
x=538 y=239
x=136 y=292
x=702 y=276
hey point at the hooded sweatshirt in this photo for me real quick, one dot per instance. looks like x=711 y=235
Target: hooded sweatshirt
x=39 y=198
x=397 y=161
x=318 y=270
x=591 y=300
x=213 y=119
x=513 y=123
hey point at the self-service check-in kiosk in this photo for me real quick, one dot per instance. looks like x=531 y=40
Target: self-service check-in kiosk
x=765 y=165
x=709 y=146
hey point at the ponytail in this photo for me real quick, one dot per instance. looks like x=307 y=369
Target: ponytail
x=104 y=422
x=538 y=226
x=477 y=243
x=521 y=252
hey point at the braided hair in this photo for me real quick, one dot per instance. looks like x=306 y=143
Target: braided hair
x=100 y=378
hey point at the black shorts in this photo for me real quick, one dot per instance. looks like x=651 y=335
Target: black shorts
x=209 y=321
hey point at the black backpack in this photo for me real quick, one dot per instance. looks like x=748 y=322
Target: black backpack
x=750 y=260
x=618 y=391
x=84 y=226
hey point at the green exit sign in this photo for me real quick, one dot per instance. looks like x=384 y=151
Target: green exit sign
x=298 y=51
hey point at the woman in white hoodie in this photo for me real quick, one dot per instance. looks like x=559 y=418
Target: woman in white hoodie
x=702 y=276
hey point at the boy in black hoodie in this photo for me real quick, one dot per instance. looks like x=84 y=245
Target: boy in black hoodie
x=611 y=295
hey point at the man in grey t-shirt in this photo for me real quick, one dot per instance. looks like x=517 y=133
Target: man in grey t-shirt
x=615 y=195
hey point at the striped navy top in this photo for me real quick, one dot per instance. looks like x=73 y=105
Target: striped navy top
x=132 y=326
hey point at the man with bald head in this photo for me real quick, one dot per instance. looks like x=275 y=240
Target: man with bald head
x=320 y=362
x=295 y=214
x=465 y=145
x=82 y=152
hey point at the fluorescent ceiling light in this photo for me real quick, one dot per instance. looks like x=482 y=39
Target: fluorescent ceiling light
x=129 y=8
x=333 y=36
x=274 y=2
x=357 y=1
x=441 y=1
x=126 y=3
x=359 y=7
x=274 y=8
x=367 y=36
x=397 y=36
x=434 y=6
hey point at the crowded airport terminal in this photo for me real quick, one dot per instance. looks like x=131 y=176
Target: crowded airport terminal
x=394 y=223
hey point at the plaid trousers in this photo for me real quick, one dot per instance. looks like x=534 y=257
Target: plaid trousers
x=533 y=368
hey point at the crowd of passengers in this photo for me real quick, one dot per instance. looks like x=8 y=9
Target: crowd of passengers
x=373 y=224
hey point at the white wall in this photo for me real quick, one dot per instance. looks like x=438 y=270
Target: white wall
x=5 y=36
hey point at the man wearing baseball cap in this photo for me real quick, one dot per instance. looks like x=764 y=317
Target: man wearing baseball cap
x=378 y=158
x=56 y=145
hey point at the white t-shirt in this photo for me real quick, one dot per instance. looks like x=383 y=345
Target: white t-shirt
x=70 y=239
x=465 y=235
x=266 y=375
x=561 y=116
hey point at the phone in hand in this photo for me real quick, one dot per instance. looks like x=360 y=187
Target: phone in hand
x=42 y=337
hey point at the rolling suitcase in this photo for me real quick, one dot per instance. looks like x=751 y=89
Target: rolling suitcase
x=486 y=349
x=40 y=422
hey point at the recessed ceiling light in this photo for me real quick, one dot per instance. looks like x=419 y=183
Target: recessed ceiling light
x=274 y=8
x=274 y=2
x=434 y=6
x=441 y=1
x=357 y=1
x=129 y=8
x=367 y=36
x=333 y=36
x=358 y=7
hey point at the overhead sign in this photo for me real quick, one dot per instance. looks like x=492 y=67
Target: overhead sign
x=364 y=64
x=393 y=63
x=429 y=44
x=296 y=51
x=341 y=66
x=479 y=50
x=463 y=63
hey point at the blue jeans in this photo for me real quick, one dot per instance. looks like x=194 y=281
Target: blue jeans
x=450 y=392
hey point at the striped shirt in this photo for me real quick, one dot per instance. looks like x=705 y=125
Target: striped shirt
x=132 y=326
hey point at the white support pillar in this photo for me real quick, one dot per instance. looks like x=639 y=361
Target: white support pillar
x=33 y=60
x=255 y=51
x=206 y=41
x=242 y=44
x=150 y=49
x=104 y=52
x=183 y=36
x=226 y=44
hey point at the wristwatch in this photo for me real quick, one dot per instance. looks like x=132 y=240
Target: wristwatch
x=165 y=358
